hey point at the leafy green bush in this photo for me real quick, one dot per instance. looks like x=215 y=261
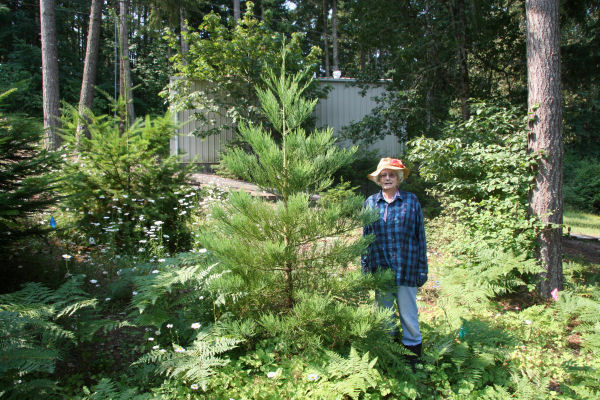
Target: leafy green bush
x=225 y=63
x=120 y=181
x=481 y=173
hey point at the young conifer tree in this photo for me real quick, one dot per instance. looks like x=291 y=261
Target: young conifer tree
x=27 y=180
x=277 y=252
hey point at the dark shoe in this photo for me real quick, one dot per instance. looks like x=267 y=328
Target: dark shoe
x=413 y=358
x=415 y=349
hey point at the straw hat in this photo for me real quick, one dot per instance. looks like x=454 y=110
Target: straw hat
x=389 y=163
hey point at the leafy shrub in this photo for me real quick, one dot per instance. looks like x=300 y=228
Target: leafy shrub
x=127 y=180
x=229 y=62
x=481 y=173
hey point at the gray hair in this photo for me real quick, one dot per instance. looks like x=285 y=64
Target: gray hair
x=399 y=174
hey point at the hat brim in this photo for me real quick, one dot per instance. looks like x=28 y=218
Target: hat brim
x=374 y=175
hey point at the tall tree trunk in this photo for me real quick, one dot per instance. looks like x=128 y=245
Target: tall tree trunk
x=432 y=59
x=545 y=135
x=86 y=96
x=325 y=37
x=124 y=67
x=262 y=10
x=457 y=15
x=362 y=59
x=185 y=45
x=50 y=88
x=236 y=11
x=334 y=35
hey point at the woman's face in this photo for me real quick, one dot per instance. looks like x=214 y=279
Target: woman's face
x=388 y=179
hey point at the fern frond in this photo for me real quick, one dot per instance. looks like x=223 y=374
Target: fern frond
x=195 y=363
x=351 y=376
x=31 y=338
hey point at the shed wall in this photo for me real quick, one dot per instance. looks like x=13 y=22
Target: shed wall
x=343 y=106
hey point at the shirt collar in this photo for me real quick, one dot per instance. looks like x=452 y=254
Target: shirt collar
x=380 y=197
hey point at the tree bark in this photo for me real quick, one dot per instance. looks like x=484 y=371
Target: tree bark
x=545 y=135
x=262 y=10
x=325 y=38
x=236 y=11
x=457 y=15
x=50 y=86
x=334 y=35
x=90 y=65
x=124 y=67
x=185 y=45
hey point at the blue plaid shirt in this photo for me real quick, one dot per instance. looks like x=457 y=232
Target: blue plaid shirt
x=399 y=239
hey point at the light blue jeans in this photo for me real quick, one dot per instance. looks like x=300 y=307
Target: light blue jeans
x=406 y=298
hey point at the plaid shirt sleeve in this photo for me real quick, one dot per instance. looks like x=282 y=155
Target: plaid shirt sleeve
x=400 y=242
x=367 y=230
x=422 y=267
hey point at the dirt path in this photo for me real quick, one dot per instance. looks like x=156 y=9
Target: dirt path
x=587 y=248
x=204 y=179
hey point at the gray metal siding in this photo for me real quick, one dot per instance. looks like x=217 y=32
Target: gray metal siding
x=343 y=106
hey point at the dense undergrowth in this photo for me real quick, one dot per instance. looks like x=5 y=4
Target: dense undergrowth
x=257 y=300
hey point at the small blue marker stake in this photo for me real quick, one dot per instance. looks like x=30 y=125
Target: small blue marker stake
x=52 y=222
x=462 y=332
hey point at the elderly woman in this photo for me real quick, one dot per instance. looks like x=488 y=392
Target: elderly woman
x=399 y=246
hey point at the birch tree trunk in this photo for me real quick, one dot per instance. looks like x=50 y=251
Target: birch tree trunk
x=50 y=87
x=90 y=65
x=545 y=135
x=124 y=67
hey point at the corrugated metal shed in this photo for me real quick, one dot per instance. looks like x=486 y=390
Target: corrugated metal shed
x=343 y=105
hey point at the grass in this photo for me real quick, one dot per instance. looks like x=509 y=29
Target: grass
x=582 y=222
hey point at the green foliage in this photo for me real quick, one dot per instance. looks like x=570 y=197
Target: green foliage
x=326 y=321
x=170 y=292
x=481 y=173
x=176 y=301
x=27 y=179
x=32 y=336
x=125 y=176
x=582 y=183
x=196 y=363
x=106 y=389
x=229 y=62
x=351 y=376
x=277 y=251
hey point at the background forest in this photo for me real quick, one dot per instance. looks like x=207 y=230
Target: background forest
x=437 y=57
x=121 y=280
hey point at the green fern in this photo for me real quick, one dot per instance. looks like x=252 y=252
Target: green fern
x=196 y=363
x=351 y=376
x=106 y=389
x=176 y=288
x=487 y=271
x=31 y=338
